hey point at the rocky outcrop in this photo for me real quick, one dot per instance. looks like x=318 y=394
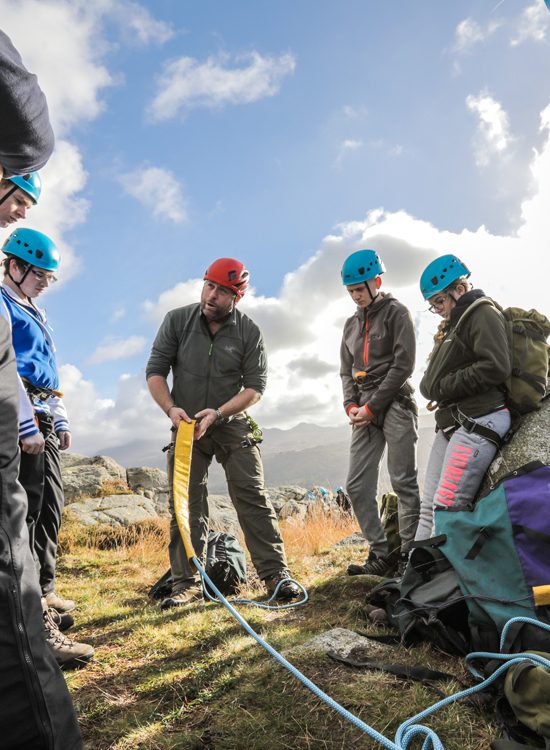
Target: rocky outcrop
x=531 y=442
x=91 y=477
x=114 y=510
x=152 y=483
x=99 y=490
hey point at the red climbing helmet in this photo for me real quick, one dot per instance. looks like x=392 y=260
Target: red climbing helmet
x=229 y=273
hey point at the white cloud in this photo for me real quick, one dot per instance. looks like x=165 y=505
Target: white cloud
x=467 y=33
x=346 y=147
x=99 y=423
x=533 y=24
x=135 y=21
x=118 y=314
x=157 y=188
x=493 y=132
x=113 y=349
x=187 y=83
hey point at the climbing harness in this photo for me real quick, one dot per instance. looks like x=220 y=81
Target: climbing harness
x=410 y=729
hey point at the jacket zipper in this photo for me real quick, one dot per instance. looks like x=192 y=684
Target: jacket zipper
x=210 y=350
x=366 y=344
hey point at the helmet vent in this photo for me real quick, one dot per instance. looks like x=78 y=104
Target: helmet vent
x=39 y=254
x=361 y=270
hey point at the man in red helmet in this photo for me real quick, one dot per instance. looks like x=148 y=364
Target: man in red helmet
x=219 y=368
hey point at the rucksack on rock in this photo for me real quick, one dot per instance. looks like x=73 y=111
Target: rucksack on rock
x=225 y=565
x=527 y=332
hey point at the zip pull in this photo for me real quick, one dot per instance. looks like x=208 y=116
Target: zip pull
x=210 y=349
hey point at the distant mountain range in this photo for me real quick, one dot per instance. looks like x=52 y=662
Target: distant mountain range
x=304 y=455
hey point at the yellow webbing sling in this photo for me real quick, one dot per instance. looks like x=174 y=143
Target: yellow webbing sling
x=182 y=469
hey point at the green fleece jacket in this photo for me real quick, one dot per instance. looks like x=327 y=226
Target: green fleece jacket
x=469 y=367
x=208 y=369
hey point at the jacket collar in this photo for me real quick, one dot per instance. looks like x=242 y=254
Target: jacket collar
x=464 y=303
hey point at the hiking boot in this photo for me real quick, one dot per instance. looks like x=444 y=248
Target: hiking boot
x=375 y=565
x=68 y=654
x=288 y=589
x=181 y=598
x=58 y=603
x=62 y=621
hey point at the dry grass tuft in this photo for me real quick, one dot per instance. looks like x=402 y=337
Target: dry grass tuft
x=320 y=530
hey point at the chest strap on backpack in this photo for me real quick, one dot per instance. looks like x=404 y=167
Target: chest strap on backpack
x=470 y=425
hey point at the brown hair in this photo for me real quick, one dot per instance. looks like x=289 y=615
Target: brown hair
x=21 y=265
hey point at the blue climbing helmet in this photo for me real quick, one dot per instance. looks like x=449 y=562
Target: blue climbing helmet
x=361 y=266
x=30 y=183
x=440 y=273
x=34 y=248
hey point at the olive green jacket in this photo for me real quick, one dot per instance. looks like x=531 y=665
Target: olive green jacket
x=207 y=369
x=469 y=367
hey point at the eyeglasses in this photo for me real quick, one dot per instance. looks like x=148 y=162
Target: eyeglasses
x=437 y=303
x=43 y=275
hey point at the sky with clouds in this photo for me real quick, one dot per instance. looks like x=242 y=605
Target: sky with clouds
x=288 y=135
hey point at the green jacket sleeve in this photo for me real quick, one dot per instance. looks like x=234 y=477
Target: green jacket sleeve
x=164 y=350
x=255 y=362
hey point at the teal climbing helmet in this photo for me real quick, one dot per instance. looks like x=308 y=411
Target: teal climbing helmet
x=440 y=273
x=30 y=183
x=361 y=266
x=34 y=248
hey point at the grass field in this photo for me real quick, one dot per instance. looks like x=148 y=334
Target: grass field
x=193 y=679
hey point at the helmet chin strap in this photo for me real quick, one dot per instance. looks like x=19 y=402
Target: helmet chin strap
x=371 y=295
x=25 y=274
x=7 y=195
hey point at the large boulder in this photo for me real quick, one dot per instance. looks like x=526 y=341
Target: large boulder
x=114 y=510
x=531 y=442
x=91 y=477
x=151 y=482
x=223 y=516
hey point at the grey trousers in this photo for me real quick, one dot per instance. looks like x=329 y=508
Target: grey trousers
x=245 y=482
x=456 y=468
x=400 y=434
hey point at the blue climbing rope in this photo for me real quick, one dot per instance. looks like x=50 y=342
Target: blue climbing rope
x=410 y=729
x=251 y=602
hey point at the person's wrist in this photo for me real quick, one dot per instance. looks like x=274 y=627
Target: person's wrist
x=219 y=415
x=173 y=406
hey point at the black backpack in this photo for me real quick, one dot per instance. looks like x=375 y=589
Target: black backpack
x=225 y=566
x=225 y=562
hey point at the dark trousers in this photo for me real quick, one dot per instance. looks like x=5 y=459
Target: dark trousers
x=36 y=712
x=40 y=475
x=245 y=482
